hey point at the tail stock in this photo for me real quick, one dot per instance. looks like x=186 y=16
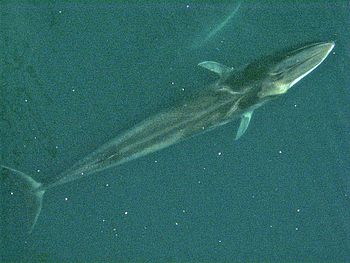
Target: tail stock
x=32 y=190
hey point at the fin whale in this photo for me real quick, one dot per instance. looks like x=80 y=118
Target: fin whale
x=234 y=95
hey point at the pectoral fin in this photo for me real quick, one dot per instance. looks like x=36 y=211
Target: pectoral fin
x=245 y=119
x=215 y=67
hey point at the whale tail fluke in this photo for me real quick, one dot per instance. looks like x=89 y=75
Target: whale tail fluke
x=32 y=191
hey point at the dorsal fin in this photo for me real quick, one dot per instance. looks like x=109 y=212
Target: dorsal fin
x=216 y=67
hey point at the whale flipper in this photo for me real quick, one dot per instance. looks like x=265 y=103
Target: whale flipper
x=243 y=126
x=216 y=67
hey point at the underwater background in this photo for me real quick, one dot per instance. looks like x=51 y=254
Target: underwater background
x=75 y=75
